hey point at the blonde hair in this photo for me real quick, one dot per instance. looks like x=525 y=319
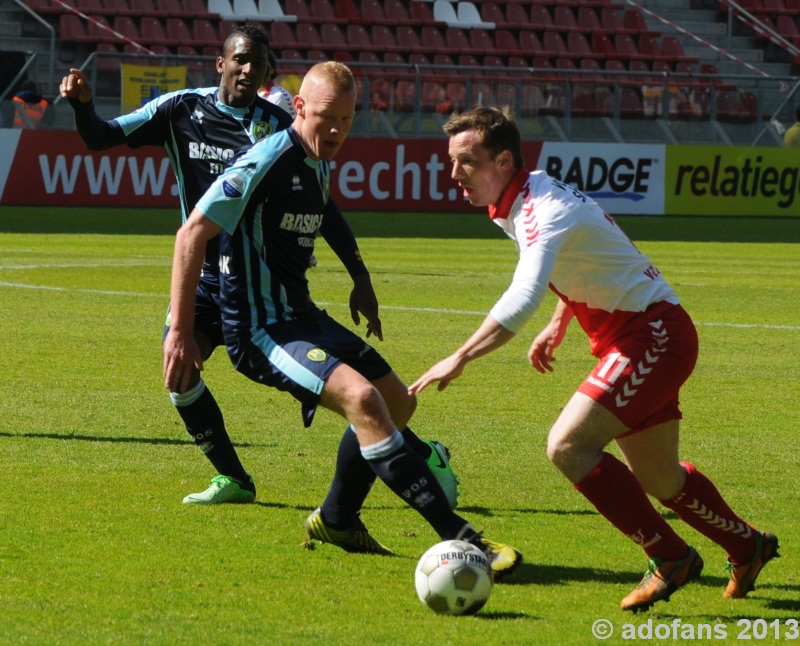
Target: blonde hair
x=337 y=76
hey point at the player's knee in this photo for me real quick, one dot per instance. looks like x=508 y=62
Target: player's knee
x=559 y=453
x=366 y=398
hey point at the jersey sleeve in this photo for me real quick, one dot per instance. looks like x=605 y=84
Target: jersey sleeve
x=339 y=236
x=527 y=289
x=149 y=125
x=226 y=200
x=95 y=132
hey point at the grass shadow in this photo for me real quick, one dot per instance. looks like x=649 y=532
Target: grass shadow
x=124 y=440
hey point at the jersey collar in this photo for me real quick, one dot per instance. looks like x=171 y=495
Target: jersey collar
x=509 y=196
x=238 y=113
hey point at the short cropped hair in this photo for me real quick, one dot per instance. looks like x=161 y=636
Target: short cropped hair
x=247 y=31
x=496 y=128
x=336 y=74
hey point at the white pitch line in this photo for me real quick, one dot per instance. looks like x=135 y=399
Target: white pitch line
x=398 y=308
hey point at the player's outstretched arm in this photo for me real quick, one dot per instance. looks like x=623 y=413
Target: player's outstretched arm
x=489 y=336
x=76 y=87
x=541 y=351
x=96 y=133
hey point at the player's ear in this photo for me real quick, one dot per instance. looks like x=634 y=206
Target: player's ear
x=299 y=105
x=504 y=159
x=220 y=64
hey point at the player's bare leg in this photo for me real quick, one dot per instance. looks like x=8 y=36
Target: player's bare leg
x=576 y=446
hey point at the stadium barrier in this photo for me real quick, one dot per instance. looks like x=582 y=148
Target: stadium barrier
x=41 y=168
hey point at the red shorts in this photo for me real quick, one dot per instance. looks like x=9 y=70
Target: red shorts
x=639 y=377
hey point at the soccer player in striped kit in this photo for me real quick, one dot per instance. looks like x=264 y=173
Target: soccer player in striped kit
x=645 y=343
x=201 y=129
x=267 y=209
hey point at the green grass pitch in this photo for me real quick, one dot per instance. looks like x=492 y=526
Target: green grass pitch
x=96 y=547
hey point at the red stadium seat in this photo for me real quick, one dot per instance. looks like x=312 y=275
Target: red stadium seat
x=589 y=21
x=372 y=12
x=146 y=8
x=578 y=46
x=126 y=26
x=332 y=37
x=98 y=30
x=432 y=40
x=152 y=31
x=540 y=19
x=307 y=36
x=633 y=19
x=407 y=39
x=110 y=59
x=492 y=12
x=480 y=40
x=117 y=8
x=358 y=37
x=178 y=32
x=204 y=31
x=627 y=49
x=613 y=23
x=506 y=41
x=383 y=39
x=564 y=18
x=397 y=12
x=530 y=45
x=281 y=36
x=631 y=106
x=554 y=44
x=94 y=7
x=517 y=16
x=171 y=8
x=300 y=9
x=673 y=51
x=196 y=9
x=455 y=39
x=324 y=10
x=421 y=13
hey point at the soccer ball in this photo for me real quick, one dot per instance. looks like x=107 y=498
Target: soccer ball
x=454 y=578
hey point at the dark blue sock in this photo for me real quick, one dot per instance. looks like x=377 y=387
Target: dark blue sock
x=351 y=483
x=204 y=423
x=407 y=474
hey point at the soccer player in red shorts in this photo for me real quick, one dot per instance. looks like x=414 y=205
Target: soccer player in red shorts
x=645 y=343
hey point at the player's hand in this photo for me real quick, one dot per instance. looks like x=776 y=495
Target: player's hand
x=363 y=302
x=181 y=358
x=444 y=372
x=541 y=351
x=75 y=86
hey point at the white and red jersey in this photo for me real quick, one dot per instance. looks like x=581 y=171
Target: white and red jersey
x=567 y=242
x=276 y=94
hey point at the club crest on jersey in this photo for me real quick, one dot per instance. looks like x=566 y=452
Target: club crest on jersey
x=261 y=130
x=233 y=186
x=316 y=354
x=296 y=185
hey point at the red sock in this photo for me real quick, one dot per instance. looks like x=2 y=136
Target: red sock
x=616 y=494
x=701 y=506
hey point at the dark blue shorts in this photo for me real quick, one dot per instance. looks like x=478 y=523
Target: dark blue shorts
x=298 y=356
x=207 y=316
